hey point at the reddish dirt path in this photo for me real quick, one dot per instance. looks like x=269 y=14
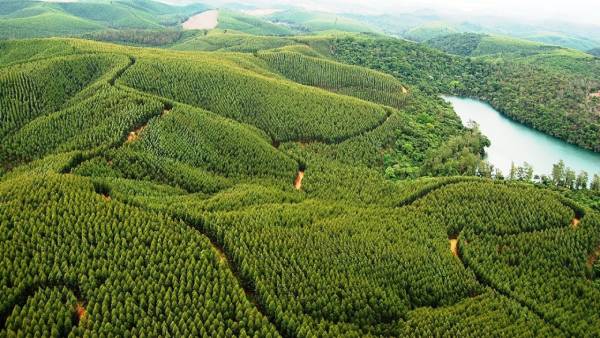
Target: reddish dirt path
x=134 y=135
x=593 y=257
x=80 y=311
x=454 y=246
x=298 y=180
x=220 y=255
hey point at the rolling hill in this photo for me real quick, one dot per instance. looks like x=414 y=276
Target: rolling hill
x=28 y=19
x=231 y=184
x=310 y=21
x=429 y=31
x=432 y=23
x=546 y=87
x=237 y=21
x=194 y=193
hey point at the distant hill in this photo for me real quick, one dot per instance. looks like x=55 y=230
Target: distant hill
x=429 y=31
x=310 y=21
x=471 y=44
x=239 y=21
x=563 y=40
x=594 y=52
x=27 y=19
x=457 y=44
x=428 y=24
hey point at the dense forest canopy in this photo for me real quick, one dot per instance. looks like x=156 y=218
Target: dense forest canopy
x=246 y=181
x=547 y=88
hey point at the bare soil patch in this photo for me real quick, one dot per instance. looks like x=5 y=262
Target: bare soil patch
x=593 y=257
x=204 y=20
x=575 y=223
x=80 y=311
x=220 y=255
x=134 y=135
x=454 y=246
x=298 y=180
x=404 y=90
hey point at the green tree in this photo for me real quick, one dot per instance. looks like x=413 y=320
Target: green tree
x=582 y=180
x=513 y=172
x=524 y=173
x=570 y=178
x=528 y=171
x=595 y=186
x=558 y=173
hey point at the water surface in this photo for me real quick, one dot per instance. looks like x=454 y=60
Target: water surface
x=515 y=142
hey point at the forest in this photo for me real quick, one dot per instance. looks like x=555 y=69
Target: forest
x=237 y=185
x=544 y=87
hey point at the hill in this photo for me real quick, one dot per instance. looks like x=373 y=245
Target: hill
x=429 y=31
x=154 y=192
x=548 y=88
x=232 y=20
x=564 y=40
x=310 y=21
x=469 y=44
x=221 y=40
x=594 y=52
x=28 y=19
x=431 y=23
x=279 y=185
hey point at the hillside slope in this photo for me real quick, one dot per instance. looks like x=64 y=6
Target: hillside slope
x=28 y=19
x=171 y=193
x=547 y=88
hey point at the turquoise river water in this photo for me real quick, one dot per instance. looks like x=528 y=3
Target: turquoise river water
x=515 y=142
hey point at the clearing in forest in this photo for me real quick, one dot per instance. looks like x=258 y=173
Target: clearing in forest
x=593 y=257
x=298 y=180
x=80 y=311
x=134 y=135
x=204 y=20
x=220 y=255
x=454 y=246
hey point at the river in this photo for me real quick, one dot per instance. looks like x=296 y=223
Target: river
x=515 y=142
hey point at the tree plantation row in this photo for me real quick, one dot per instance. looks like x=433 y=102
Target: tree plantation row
x=155 y=196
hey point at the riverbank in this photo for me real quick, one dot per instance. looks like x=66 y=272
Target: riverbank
x=513 y=142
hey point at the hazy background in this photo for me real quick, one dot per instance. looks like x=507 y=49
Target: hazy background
x=576 y=11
